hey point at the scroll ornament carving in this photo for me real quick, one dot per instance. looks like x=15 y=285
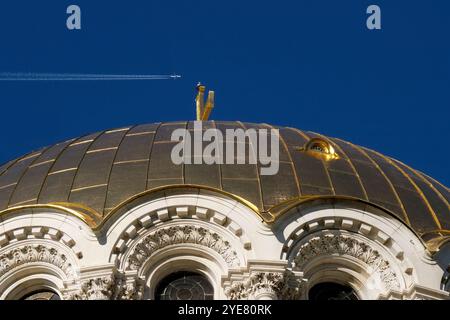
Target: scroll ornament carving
x=35 y=253
x=130 y=291
x=343 y=245
x=283 y=286
x=179 y=235
x=107 y=288
x=101 y=288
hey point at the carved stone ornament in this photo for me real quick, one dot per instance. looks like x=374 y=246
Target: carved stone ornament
x=101 y=288
x=35 y=253
x=107 y=288
x=130 y=290
x=342 y=245
x=283 y=286
x=178 y=235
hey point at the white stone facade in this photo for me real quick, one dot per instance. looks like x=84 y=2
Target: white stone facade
x=221 y=238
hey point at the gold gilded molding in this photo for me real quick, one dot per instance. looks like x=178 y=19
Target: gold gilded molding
x=96 y=221
x=436 y=243
x=239 y=199
x=78 y=211
x=279 y=210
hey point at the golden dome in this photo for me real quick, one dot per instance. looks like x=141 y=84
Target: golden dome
x=96 y=174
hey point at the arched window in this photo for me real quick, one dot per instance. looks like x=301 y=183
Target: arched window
x=184 y=286
x=320 y=148
x=331 y=291
x=41 y=295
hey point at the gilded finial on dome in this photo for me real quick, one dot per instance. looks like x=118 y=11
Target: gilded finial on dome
x=203 y=111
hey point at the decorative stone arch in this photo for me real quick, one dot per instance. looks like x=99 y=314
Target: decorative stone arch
x=179 y=216
x=229 y=218
x=44 y=224
x=347 y=237
x=347 y=259
x=40 y=232
x=182 y=258
x=185 y=203
x=342 y=209
x=28 y=265
x=32 y=278
x=182 y=231
x=181 y=245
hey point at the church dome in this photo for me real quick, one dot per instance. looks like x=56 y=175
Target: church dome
x=96 y=174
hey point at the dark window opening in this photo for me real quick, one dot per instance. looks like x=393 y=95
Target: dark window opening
x=184 y=286
x=331 y=291
x=319 y=148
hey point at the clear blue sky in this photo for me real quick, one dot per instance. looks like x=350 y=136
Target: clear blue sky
x=307 y=64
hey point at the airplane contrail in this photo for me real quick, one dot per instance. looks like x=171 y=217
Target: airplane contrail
x=19 y=76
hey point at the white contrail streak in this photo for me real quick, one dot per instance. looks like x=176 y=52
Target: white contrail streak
x=8 y=76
